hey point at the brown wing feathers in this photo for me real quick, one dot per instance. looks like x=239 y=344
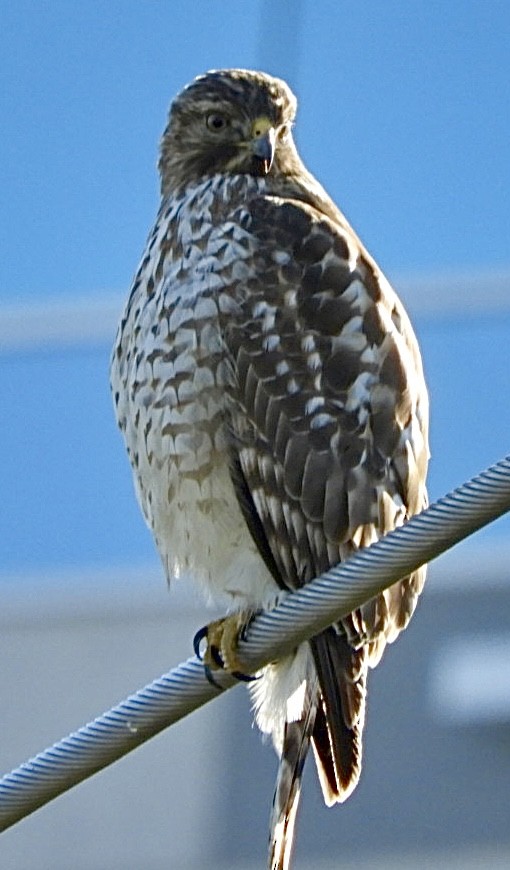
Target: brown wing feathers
x=342 y=673
x=303 y=441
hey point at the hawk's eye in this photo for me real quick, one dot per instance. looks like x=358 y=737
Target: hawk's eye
x=216 y=122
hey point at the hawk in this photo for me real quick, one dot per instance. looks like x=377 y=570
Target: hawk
x=270 y=391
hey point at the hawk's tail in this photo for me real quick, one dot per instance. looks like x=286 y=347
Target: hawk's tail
x=333 y=721
x=338 y=727
x=296 y=743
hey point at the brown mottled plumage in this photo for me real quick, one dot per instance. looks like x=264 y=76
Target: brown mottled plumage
x=271 y=395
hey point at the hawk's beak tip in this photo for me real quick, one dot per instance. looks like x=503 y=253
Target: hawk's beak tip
x=263 y=148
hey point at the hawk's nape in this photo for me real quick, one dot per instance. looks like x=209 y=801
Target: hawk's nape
x=270 y=391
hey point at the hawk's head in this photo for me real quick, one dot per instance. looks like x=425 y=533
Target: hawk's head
x=232 y=121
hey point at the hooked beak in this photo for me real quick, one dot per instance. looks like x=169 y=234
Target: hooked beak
x=263 y=148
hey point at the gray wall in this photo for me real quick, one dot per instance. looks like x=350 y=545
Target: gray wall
x=437 y=754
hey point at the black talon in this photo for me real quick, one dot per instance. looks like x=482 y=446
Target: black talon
x=244 y=678
x=210 y=678
x=197 y=640
x=244 y=629
x=216 y=656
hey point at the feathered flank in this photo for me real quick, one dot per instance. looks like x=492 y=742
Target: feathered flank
x=270 y=391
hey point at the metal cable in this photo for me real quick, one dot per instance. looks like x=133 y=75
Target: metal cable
x=272 y=634
x=350 y=584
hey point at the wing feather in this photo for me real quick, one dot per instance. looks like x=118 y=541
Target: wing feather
x=328 y=413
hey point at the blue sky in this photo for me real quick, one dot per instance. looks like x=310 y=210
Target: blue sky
x=404 y=116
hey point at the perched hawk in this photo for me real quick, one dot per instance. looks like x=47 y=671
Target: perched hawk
x=270 y=391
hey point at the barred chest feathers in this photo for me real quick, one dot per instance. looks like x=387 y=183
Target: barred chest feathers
x=169 y=371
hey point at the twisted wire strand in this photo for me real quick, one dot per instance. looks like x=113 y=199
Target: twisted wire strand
x=350 y=584
x=272 y=634
x=106 y=739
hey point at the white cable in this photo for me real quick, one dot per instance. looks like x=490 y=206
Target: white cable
x=272 y=634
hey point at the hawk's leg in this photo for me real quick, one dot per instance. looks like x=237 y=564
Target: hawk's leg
x=222 y=637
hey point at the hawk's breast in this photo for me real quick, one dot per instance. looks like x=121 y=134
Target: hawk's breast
x=169 y=373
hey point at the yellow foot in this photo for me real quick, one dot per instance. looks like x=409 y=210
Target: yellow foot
x=222 y=638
